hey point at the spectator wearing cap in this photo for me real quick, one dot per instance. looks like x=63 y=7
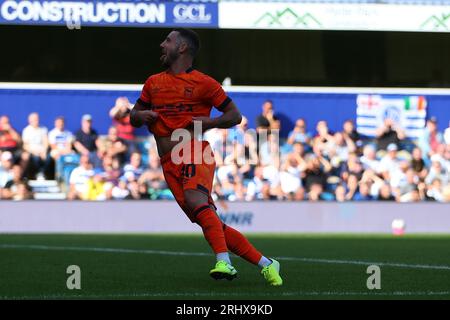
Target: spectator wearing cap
x=389 y=133
x=86 y=139
x=120 y=114
x=35 y=143
x=390 y=162
x=430 y=138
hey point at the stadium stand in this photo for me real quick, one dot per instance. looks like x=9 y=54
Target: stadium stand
x=251 y=165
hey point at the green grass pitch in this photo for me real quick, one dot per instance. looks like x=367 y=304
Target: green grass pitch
x=177 y=266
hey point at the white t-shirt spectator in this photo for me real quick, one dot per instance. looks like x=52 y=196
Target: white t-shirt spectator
x=34 y=138
x=79 y=178
x=290 y=180
x=373 y=164
x=388 y=164
x=254 y=189
x=60 y=138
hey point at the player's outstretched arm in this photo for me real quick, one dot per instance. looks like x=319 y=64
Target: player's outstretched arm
x=140 y=115
x=231 y=116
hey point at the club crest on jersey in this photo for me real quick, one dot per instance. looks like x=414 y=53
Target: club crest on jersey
x=188 y=91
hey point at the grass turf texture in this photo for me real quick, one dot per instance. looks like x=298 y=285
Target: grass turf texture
x=172 y=267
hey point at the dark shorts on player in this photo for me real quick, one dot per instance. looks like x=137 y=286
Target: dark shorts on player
x=189 y=174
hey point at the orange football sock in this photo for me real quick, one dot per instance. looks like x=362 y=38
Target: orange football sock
x=239 y=245
x=212 y=228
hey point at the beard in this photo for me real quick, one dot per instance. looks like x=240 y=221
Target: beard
x=170 y=58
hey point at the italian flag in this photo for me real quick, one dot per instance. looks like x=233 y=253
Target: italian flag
x=415 y=103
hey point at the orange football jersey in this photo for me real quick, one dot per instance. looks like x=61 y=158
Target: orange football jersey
x=178 y=98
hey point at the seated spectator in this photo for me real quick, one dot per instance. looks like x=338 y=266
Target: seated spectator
x=398 y=177
x=299 y=133
x=339 y=147
x=6 y=172
x=113 y=145
x=351 y=133
x=437 y=172
x=95 y=188
x=369 y=158
x=390 y=162
x=9 y=138
x=447 y=134
x=237 y=133
x=418 y=164
x=35 y=143
x=409 y=184
x=111 y=173
x=266 y=192
x=255 y=186
x=316 y=173
x=86 y=140
x=339 y=193
x=290 y=179
x=323 y=136
x=79 y=179
x=134 y=167
x=315 y=192
x=121 y=192
x=389 y=133
x=374 y=182
x=435 y=191
x=228 y=176
x=430 y=138
x=60 y=141
x=269 y=151
x=352 y=187
x=153 y=178
x=120 y=113
x=12 y=189
x=363 y=193
x=386 y=193
x=267 y=120
x=352 y=166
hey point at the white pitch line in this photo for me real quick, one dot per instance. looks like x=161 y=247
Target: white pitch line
x=230 y=294
x=202 y=254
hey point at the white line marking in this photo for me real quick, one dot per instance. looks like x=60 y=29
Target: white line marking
x=232 y=294
x=202 y=254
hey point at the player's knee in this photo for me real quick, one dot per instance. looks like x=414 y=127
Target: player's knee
x=193 y=199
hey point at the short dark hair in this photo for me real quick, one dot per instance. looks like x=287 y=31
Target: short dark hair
x=191 y=38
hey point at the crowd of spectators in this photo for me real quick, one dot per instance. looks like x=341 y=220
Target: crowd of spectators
x=251 y=164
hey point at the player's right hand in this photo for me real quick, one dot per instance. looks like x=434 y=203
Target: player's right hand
x=147 y=116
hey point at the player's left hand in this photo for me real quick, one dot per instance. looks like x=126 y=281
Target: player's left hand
x=207 y=123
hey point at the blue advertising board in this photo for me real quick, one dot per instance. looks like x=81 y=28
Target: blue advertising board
x=112 y=13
